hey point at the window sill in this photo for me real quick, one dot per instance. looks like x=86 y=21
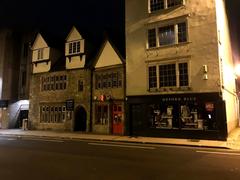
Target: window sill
x=170 y=89
x=163 y=11
x=168 y=46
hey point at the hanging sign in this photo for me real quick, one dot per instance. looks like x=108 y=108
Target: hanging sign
x=70 y=104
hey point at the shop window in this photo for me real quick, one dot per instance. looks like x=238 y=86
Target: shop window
x=101 y=114
x=178 y=113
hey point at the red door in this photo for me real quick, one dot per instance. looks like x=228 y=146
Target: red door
x=117 y=119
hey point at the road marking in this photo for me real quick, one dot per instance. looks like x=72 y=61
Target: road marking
x=120 y=145
x=46 y=140
x=11 y=139
x=219 y=153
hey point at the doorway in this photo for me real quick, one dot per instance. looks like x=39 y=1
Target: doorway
x=80 y=123
x=23 y=114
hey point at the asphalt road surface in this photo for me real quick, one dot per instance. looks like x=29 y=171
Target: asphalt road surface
x=53 y=159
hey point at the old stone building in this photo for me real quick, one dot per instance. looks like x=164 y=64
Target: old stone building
x=60 y=93
x=179 y=69
x=108 y=91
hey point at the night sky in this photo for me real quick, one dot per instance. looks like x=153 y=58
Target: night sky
x=59 y=16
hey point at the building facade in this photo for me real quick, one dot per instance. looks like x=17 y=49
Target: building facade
x=108 y=91
x=179 y=69
x=14 y=74
x=60 y=99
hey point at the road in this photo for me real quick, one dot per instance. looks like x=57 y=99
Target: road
x=53 y=159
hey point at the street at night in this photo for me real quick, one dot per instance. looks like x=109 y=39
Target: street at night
x=27 y=158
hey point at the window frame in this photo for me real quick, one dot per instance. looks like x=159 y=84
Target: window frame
x=165 y=6
x=177 y=71
x=158 y=26
x=74 y=47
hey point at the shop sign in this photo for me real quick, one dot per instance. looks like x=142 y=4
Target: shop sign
x=179 y=99
x=209 y=106
x=3 y=103
x=70 y=104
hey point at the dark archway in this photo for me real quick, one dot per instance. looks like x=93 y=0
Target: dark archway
x=80 y=123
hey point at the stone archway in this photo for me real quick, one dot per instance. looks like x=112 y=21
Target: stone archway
x=80 y=123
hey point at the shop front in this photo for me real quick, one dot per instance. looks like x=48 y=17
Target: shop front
x=200 y=116
x=108 y=116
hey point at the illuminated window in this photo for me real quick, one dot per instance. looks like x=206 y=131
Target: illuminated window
x=167 y=35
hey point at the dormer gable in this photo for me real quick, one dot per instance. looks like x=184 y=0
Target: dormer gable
x=40 y=55
x=75 y=50
x=39 y=42
x=74 y=43
x=108 y=56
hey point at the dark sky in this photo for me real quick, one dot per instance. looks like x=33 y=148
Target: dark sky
x=97 y=15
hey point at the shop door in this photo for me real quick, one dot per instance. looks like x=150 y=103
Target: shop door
x=117 y=119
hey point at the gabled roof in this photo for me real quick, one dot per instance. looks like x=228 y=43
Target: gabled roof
x=39 y=37
x=107 y=40
x=74 y=30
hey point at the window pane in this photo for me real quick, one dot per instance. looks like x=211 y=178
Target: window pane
x=167 y=75
x=152 y=77
x=70 y=48
x=78 y=46
x=74 y=47
x=166 y=35
x=182 y=32
x=172 y=3
x=183 y=74
x=156 y=5
x=151 y=38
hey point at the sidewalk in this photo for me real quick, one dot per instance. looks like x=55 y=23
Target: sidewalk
x=233 y=141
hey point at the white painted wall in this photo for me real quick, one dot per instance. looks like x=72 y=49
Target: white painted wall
x=228 y=76
x=201 y=49
x=108 y=57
